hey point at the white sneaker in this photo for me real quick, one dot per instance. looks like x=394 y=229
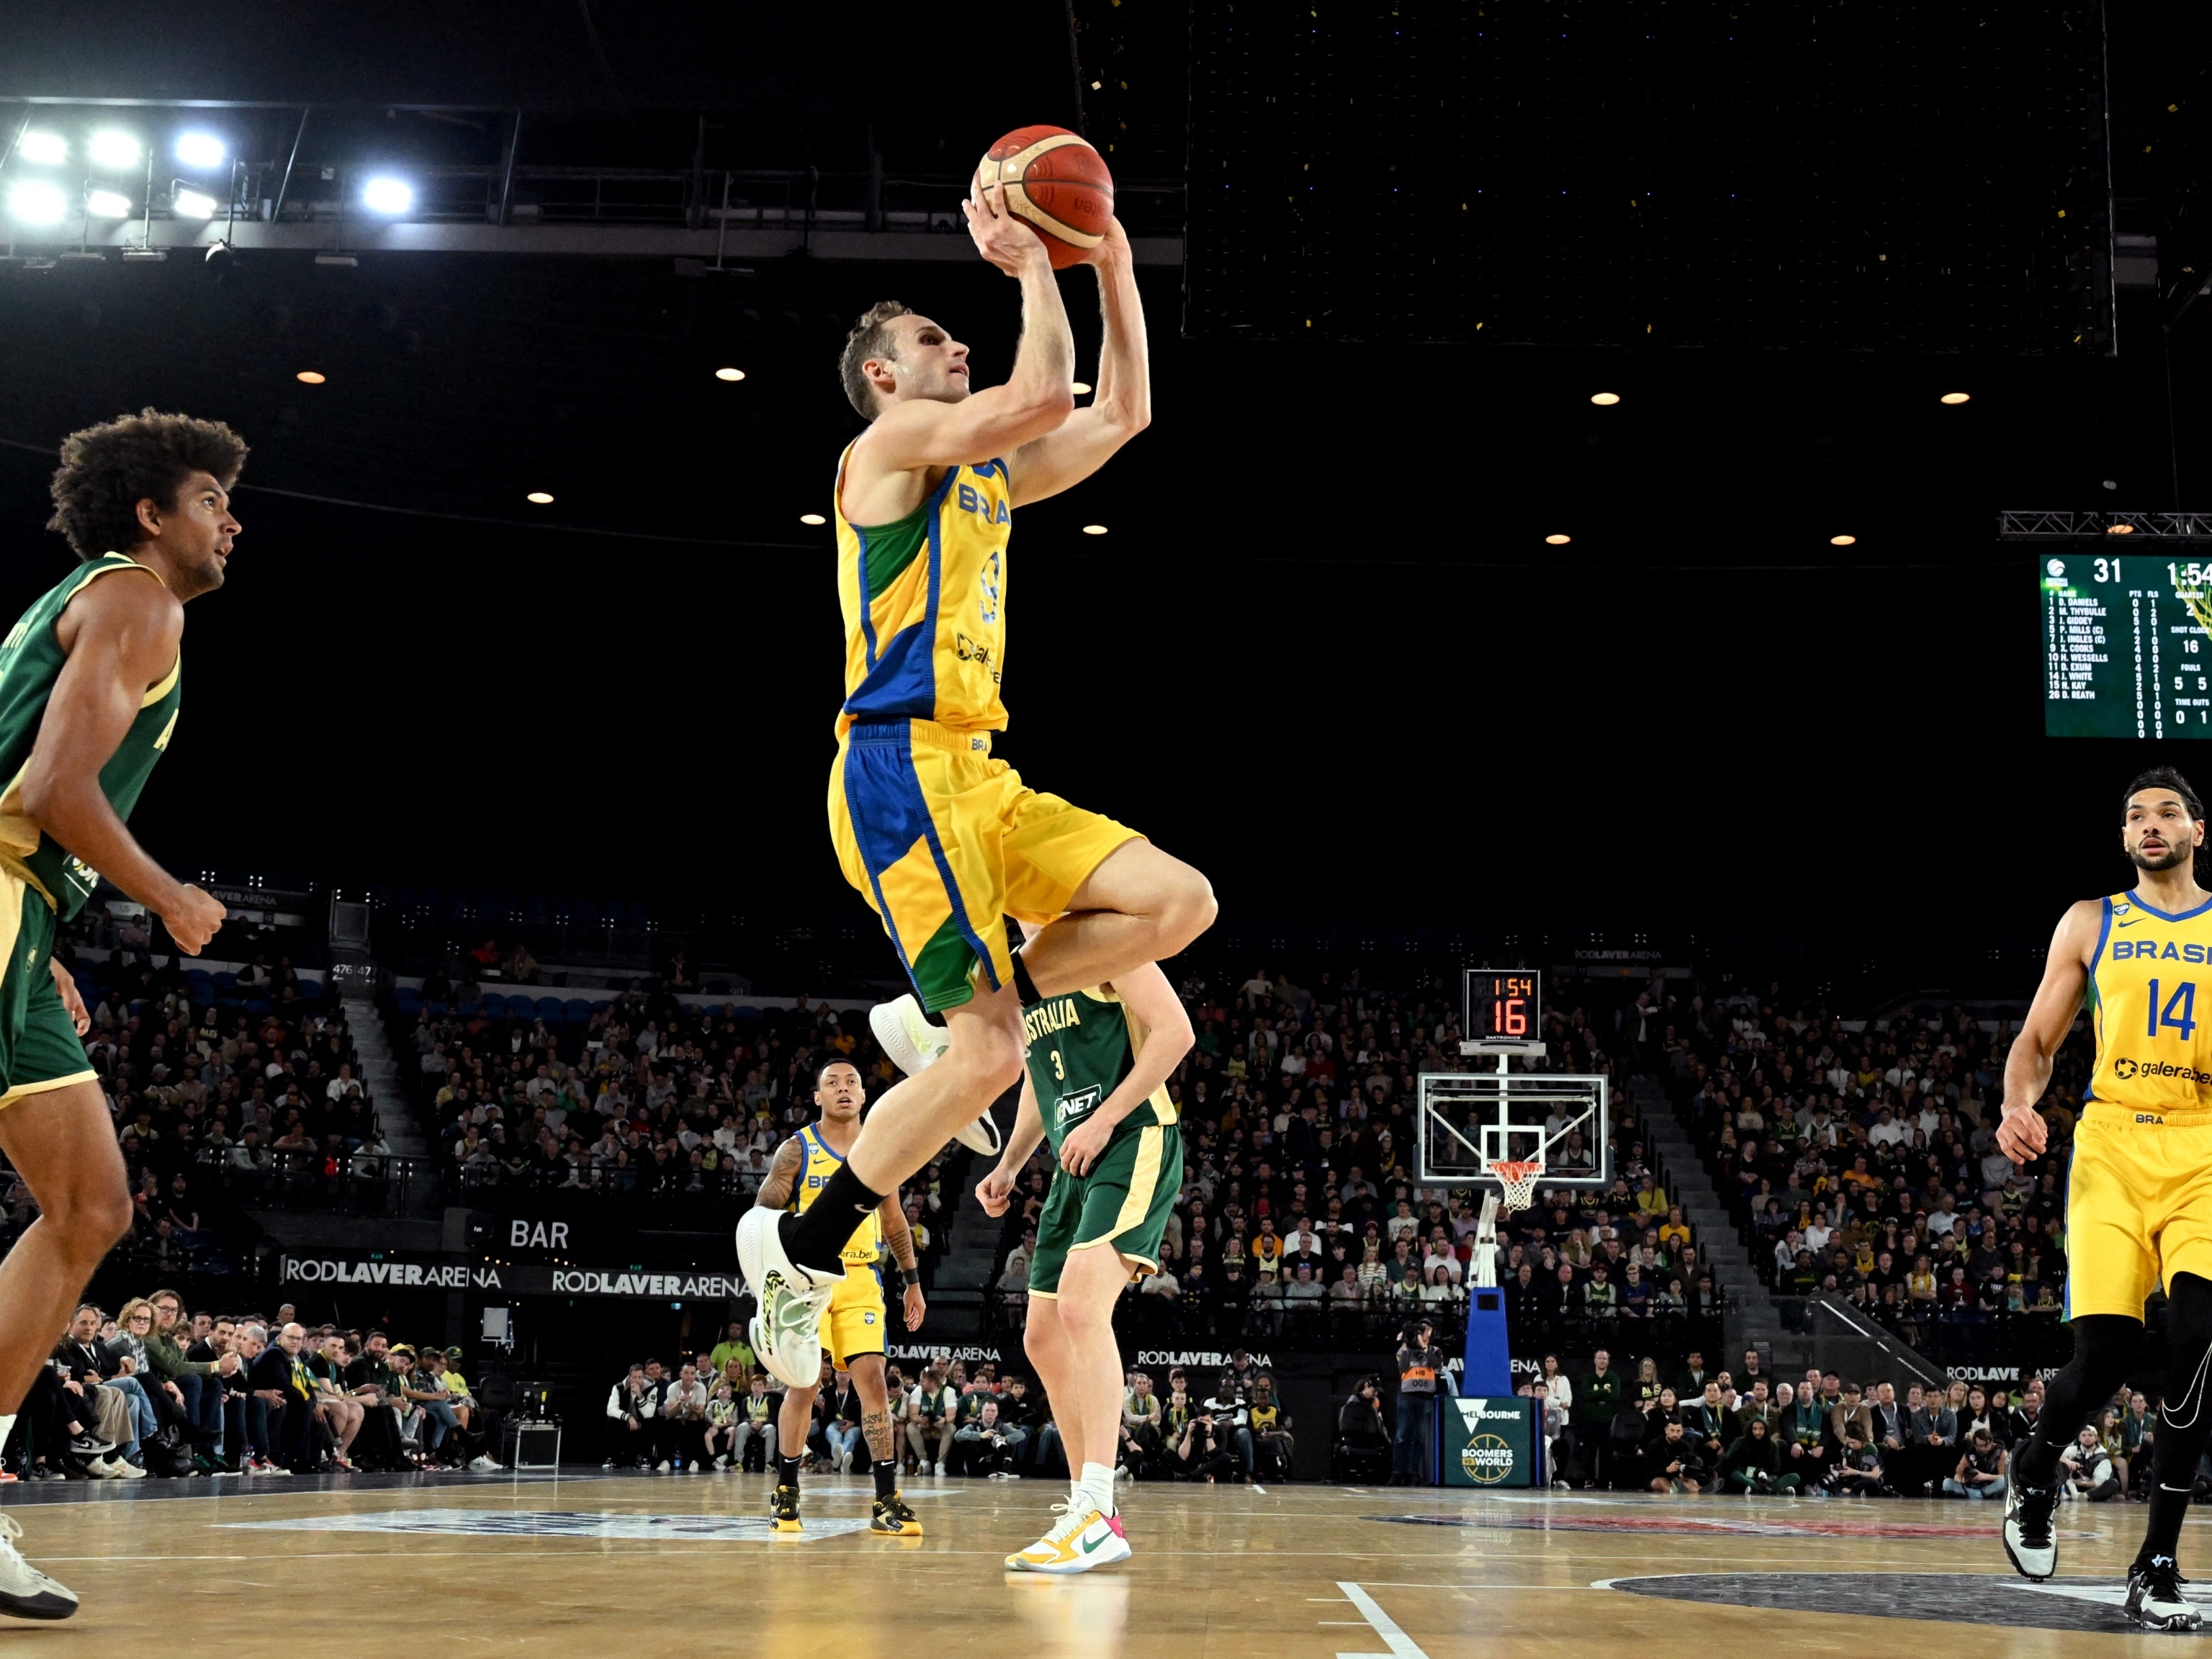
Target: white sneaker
x=1079 y=1541
x=979 y=1136
x=485 y=1465
x=906 y=1035
x=24 y=1592
x=123 y=1471
x=661 y=1467
x=99 y=1468
x=844 y=1462
x=787 y=1332
x=2030 y=1542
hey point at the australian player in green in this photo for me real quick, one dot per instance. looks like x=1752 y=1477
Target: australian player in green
x=89 y=680
x=1096 y=1088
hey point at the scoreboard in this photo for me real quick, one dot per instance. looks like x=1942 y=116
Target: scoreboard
x=1504 y=1005
x=2125 y=646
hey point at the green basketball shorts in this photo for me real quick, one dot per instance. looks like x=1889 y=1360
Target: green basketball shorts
x=40 y=1048
x=1124 y=1202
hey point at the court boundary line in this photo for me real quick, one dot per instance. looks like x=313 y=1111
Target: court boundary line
x=1401 y=1646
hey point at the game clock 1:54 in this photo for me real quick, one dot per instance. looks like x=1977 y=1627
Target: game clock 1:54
x=1504 y=1005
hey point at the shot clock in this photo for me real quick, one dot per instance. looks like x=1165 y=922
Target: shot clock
x=1504 y=1005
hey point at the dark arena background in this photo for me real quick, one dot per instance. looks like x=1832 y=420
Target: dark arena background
x=1571 y=601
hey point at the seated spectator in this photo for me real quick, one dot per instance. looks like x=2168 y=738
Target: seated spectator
x=279 y=1385
x=1752 y=1464
x=1273 y=1447
x=1363 y=1439
x=936 y=1419
x=2086 y=1469
x=987 y=1446
x=1858 y=1472
x=1140 y=1442
x=1980 y=1472
x=633 y=1416
x=1676 y=1461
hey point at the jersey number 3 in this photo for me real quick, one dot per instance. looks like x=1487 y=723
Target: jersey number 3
x=2184 y=1000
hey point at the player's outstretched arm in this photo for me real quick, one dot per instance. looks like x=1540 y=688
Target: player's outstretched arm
x=998 y=419
x=1121 y=405
x=782 y=1175
x=995 y=1190
x=121 y=636
x=2021 y=1134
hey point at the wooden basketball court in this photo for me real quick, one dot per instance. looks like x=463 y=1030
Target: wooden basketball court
x=596 y=1564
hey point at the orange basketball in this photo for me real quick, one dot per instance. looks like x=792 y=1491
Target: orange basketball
x=1057 y=184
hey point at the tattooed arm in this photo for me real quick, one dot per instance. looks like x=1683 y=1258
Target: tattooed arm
x=892 y=1213
x=775 y=1188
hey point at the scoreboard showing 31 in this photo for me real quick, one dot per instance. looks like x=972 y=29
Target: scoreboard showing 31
x=1504 y=1005
x=2125 y=646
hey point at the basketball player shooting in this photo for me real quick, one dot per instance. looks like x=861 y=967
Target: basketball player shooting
x=943 y=839
x=2139 y=1188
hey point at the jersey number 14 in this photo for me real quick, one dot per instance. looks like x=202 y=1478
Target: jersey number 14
x=2184 y=1000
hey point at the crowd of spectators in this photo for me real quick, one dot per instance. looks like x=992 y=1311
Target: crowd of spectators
x=717 y=1412
x=1745 y=1432
x=228 y=1093
x=641 y=1099
x=153 y=1389
x=1862 y=1163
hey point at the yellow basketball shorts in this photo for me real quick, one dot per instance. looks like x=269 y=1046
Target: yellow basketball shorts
x=854 y=1322
x=944 y=842
x=2138 y=1206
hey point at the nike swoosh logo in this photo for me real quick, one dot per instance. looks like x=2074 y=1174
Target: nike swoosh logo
x=1090 y=1548
x=2126 y=924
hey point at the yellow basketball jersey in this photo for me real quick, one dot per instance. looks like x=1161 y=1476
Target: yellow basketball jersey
x=924 y=601
x=867 y=1243
x=2154 y=1038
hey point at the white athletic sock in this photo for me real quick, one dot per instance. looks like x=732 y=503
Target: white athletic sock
x=7 y=1427
x=1096 y=1487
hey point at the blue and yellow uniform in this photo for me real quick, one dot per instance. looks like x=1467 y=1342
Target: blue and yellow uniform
x=942 y=840
x=853 y=1323
x=2139 y=1189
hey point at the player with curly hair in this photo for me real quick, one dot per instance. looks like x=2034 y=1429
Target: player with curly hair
x=89 y=685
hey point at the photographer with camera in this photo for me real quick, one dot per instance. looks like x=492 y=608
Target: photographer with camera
x=1232 y=1420
x=1419 y=1363
x=1198 y=1452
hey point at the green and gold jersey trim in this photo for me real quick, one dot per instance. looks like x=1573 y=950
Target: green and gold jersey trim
x=31 y=662
x=1081 y=1045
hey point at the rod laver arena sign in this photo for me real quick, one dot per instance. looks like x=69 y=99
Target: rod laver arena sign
x=515 y=1278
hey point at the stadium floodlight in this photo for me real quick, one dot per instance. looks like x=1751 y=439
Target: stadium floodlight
x=107 y=204
x=189 y=203
x=35 y=201
x=42 y=149
x=114 y=150
x=386 y=194
x=199 y=149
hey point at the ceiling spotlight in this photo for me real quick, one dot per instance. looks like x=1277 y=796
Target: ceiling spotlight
x=539 y=498
x=46 y=149
x=189 y=203
x=1080 y=387
x=107 y=204
x=199 y=149
x=310 y=377
x=812 y=518
x=2122 y=530
x=1956 y=396
x=35 y=201
x=1605 y=399
x=1094 y=530
x=113 y=149
x=385 y=194
x=729 y=375
x=1842 y=541
x=1558 y=539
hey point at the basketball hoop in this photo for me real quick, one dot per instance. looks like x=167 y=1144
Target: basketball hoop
x=1517 y=1176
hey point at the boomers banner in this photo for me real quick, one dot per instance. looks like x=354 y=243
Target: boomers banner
x=1489 y=1442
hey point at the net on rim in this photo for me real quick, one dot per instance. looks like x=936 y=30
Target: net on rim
x=1517 y=1176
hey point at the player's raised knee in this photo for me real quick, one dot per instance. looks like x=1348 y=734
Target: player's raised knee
x=92 y=1219
x=1187 y=908
x=987 y=1055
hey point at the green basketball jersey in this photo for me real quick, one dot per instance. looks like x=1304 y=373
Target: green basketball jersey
x=1080 y=1047
x=31 y=659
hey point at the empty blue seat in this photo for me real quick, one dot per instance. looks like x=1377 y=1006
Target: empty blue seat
x=550 y=1008
x=494 y=1005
